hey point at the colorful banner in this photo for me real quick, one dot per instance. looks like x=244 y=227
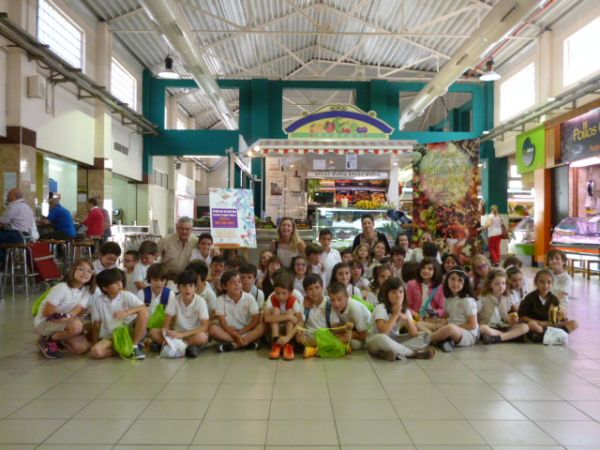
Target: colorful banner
x=445 y=203
x=232 y=217
x=581 y=137
x=531 y=150
x=339 y=122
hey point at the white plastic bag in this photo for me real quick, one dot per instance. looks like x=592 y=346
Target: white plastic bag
x=555 y=336
x=173 y=347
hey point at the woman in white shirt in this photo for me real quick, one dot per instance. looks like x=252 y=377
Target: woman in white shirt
x=494 y=230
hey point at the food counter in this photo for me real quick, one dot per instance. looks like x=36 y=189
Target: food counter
x=578 y=236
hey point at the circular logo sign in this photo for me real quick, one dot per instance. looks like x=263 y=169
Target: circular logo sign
x=528 y=152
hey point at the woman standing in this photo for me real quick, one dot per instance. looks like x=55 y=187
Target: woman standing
x=288 y=244
x=494 y=231
x=369 y=235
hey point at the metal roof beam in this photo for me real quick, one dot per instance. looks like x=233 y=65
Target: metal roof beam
x=379 y=33
x=133 y=12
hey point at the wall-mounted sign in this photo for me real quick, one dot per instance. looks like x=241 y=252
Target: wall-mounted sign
x=339 y=121
x=581 y=137
x=531 y=150
x=232 y=217
x=349 y=174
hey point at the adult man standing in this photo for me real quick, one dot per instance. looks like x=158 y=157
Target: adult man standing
x=61 y=220
x=176 y=249
x=94 y=220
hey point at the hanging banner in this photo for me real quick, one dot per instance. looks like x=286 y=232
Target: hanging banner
x=232 y=217
x=581 y=137
x=445 y=203
x=531 y=150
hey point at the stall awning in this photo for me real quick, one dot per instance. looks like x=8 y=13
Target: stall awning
x=276 y=147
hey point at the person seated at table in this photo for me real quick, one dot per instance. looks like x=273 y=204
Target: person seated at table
x=17 y=221
x=60 y=219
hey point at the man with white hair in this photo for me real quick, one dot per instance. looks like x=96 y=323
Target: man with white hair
x=16 y=222
x=176 y=249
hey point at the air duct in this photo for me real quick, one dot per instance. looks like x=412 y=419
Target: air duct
x=499 y=22
x=172 y=25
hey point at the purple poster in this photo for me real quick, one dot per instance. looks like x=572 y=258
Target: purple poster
x=224 y=218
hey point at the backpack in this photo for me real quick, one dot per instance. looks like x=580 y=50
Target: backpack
x=157 y=319
x=327 y=313
x=164 y=296
x=38 y=303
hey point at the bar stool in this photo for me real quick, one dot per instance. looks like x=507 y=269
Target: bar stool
x=577 y=265
x=81 y=249
x=18 y=263
x=59 y=251
x=591 y=272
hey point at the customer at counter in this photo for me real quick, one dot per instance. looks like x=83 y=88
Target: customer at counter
x=176 y=249
x=94 y=220
x=369 y=235
x=61 y=220
x=288 y=244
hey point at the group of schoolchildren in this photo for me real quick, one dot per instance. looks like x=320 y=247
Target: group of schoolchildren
x=395 y=304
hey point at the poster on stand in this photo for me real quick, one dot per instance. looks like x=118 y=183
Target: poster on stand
x=232 y=217
x=445 y=184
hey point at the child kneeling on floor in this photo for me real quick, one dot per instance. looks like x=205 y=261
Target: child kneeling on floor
x=59 y=316
x=187 y=316
x=239 y=325
x=110 y=309
x=389 y=317
x=282 y=312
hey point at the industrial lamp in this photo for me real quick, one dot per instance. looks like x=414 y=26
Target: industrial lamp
x=489 y=74
x=168 y=71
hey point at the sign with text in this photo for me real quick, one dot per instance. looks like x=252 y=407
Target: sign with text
x=531 y=150
x=232 y=217
x=581 y=137
x=348 y=175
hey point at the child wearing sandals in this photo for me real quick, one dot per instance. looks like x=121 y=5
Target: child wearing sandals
x=389 y=317
x=497 y=322
x=462 y=329
x=59 y=316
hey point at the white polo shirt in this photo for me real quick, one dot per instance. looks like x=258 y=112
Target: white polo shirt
x=317 y=316
x=328 y=261
x=237 y=315
x=297 y=307
x=102 y=309
x=155 y=300
x=357 y=313
x=562 y=284
x=98 y=267
x=64 y=299
x=381 y=313
x=187 y=317
x=209 y=297
x=139 y=273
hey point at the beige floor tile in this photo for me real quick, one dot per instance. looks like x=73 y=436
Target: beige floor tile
x=175 y=409
x=30 y=431
x=74 y=447
x=575 y=391
x=469 y=392
x=112 y=409
x=199 y=376
x=301 y=410
x=303 y=447
x=343 y=377
x=529 y=391
x=380 y=432
x=232 y=432
x=20 y=447
x=84 y=431
x=301 y=432
x=244 y=391
x=75 y=391
x=49 y=409
x=437 y=432
x=239 y=410
x=180 y=391
x=510 y=376
x=234 y=447
x=357 y=391
x=393 y=378
x=132 y=391
x=346 y=409
x=453 y=447
x=375 y=447
x=549 y=410
x=161 y=432
x=456 y=376
x=591 y=408
x=426 y=408
x=488 y=410
x=27 y=391
x=303 y=391
x=529 y=447
x=9 y=406
x=573 y=433
x=413 y=391
x=512 y=432
x=547 y=378
x=255 y=376
x=150 y=447
x=485 y=364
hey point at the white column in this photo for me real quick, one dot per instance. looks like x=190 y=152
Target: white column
x=392 y=195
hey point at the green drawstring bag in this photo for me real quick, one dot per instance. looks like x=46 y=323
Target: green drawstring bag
x=157 y=319
x=38 y=303
x=328 y=344
x=122 y=342
x=364 y=302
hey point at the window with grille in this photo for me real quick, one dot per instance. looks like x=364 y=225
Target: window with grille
x=579 y=60
x=123 y=84
x=517 y=93
x=63 y=36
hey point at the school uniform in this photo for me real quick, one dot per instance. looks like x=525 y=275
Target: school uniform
x=402 y=345
x=187 y=317
x=298 y=285
x=458 y=310
x=536 y=307
x=154 y=299
x=295 y=293
x=130 y=283
x=417 y=295
x=98 y=267
x=64 y=299
x=359 y=315
x=562 y=284
x=316 y=317
x=139 y=273
x=328 y=261
x=353 y=291
x=494 y=312
x=197 y=255
x=102 y=310
x=237 y=314
x=372 y=298
x=209 y=296
x=259 y=296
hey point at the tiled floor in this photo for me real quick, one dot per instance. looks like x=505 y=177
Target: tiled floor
x=511 y=396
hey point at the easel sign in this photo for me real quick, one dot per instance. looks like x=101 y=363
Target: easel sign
x=232 y=218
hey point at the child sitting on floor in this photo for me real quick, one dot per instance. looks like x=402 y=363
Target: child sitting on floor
x=148 y=255
x=557 y=261
x=351 y=313
x=299 y=266
x=515 y=287
x=398 y=254
x=248 y=274
x=109 y=255
x=380 y=274
x=203 y=288
x=156 y=293
x=130 y=259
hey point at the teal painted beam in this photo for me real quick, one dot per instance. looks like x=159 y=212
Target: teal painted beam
x=194 y=142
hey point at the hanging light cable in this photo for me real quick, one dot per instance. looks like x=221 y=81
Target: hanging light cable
x=168 y=71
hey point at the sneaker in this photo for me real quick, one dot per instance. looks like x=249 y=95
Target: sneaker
x=48 y=348
x=155 y=347
x=193 y=351
x=487 y=339
x=310 y=352
x=426 y=353
x=253 y=346
x=226 y=347
x=288 y=352
x=448 y=345
x=138 y=353
x=275 y=351
x=388 y=355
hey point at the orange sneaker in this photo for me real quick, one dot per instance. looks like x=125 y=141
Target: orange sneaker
x=288 y=352
x=310 y=352
x=275 y=351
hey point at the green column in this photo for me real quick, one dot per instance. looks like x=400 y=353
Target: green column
x=259 y=106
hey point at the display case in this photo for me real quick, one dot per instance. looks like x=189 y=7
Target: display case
x=345 y=224
x=578 y=230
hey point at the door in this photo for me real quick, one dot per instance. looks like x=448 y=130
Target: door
x=560 y=194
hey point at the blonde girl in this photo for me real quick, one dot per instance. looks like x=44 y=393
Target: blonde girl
x=263 y=262
x=480 y=266
x=288 y=243
x=380 y=275
x=362 y=254
x=390 y=317
x=496 y=321
x=299 y=267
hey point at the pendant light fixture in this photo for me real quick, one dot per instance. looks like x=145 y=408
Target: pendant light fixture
x=168 y=71
x=490 y=74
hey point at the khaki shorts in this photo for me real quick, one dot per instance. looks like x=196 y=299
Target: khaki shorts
x=49 y=327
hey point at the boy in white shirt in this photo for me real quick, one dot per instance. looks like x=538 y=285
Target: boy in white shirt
x=239 y=324
x=130 y=259
x=188 y=314
x=329 y=256
x=149 y=254
x=205 y=250
x=203 y=289
x=109 y=255
x=351 y=312
x=563 y=282
x=313 y=256
x=248 y=275
x=156 y=293
x=217 y=267
x=111 y=308
x=282 y=311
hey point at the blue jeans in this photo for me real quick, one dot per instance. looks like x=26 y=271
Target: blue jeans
x=9 y=237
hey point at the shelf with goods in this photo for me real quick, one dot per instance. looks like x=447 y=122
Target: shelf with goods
x=333 y=192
